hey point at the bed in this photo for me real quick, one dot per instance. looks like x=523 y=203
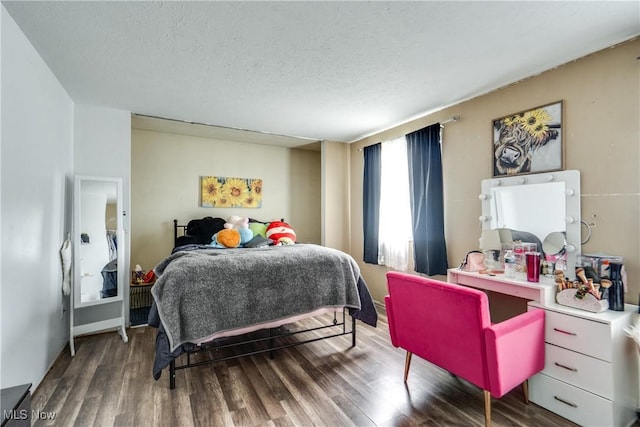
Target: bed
x=208 y=298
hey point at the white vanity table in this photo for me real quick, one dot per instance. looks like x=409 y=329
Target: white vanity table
x=591 y=373
x=591 y=367
x=542 y=292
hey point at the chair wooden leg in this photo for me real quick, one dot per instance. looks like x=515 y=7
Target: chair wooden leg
x=487 y=408
x=407 y=363
x=525 y=391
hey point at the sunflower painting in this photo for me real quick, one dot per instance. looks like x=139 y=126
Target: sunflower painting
x=222 y=192
x=529 y=141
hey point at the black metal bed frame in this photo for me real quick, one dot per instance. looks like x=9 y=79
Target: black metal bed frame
x=338 y=324
x=271 y=348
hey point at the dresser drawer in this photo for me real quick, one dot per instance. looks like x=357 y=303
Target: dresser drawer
x=582 y=335
x=570 y=402
x=586 y=372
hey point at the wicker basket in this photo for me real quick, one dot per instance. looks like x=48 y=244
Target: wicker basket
x=140 y=300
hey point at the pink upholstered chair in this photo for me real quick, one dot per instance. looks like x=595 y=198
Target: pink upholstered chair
x=449 y=325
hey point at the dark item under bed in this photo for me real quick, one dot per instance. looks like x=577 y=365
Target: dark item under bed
x=200 y=292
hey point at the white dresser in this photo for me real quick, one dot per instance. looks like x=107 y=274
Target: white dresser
x=591 y=367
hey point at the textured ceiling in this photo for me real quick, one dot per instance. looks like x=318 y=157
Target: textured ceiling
x=319 y=70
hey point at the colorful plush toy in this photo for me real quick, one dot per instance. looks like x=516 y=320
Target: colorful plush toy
x=258 y=228
x=232 y=238
x=245 y=235
x=281 y=233
x=227 y=238
x=235 y=221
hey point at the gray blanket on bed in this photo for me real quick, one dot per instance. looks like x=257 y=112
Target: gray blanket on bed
x=202 y=292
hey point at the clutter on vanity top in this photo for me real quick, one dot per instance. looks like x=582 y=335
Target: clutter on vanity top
x=519 y=249
x=600 y=284
x=600 y=263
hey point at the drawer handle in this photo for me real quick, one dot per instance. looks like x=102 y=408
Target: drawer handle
x=573 y=405
x=564 y=332
x=565 y=367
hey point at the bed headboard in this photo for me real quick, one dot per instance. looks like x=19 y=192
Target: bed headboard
x=213 y=225
x=178 y=230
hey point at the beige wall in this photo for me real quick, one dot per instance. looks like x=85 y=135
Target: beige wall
x=601 y=96
x=165 y=176
x=305 y=195
x=335 y=196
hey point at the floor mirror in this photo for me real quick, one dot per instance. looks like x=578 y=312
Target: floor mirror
x=98 y=257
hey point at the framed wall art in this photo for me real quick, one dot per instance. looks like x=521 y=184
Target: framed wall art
x=530 y=141
x=223 y=192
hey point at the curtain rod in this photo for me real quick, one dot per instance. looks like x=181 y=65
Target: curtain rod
x=452 y=119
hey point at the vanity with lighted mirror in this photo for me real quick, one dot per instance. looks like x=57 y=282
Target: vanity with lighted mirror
x=591 y=368
x=98 y=256
x=545 y=205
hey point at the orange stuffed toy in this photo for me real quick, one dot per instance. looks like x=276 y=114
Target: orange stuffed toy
x=227 y=238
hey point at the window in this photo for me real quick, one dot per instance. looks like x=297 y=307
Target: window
x=403 y=206
x=394 y=230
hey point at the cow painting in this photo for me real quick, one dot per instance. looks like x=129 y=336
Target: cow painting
x=520 y=140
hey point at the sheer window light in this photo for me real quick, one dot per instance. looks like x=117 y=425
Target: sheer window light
x=395 y=231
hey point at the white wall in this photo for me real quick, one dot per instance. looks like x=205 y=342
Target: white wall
x=36 y=168
x=103 y=148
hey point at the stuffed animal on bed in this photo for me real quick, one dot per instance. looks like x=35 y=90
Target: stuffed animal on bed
x=200 y=231
x=232 y=238
x=235 y=221
x=227 y=238
x=281 y=233
x=245 y=235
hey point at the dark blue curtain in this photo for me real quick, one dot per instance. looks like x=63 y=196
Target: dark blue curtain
x=427 y=204
x=371 y=201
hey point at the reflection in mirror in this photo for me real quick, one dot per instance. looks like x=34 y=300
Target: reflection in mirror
x=541 y=204
x=554 y=243
x=98 y=226
x=521 y=208
x=554 y=249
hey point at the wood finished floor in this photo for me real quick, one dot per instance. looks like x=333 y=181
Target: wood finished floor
x=326 y=383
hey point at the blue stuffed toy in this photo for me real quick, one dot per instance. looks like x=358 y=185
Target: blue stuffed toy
x=245 y=236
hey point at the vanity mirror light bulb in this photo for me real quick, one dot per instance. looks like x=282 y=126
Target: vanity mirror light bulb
x=522 y=180
x=569 y=219
x=483 y=218
x=550 y=178
x=570 y=248
x=569 y=191
x=497 y=182
x=483 y=197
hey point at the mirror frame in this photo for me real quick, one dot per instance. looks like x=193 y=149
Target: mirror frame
x=76 y=233
x=572 y=219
